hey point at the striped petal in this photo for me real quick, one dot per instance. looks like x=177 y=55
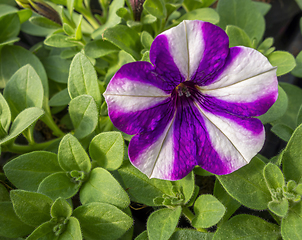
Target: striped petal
x=195 y=136
x=234 y=140
x=246 y=86
x=136 y=99
x=193 y=50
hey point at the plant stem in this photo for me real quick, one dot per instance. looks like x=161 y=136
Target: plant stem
x=20 y=149
x=189 y=215
x=48 y=120
x=89 y=17
x=29 y=135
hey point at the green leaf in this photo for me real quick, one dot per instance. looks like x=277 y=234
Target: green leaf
x=284 y=61
x=32 y=208
x=142 y=236
x=190 y=234
x=72 y=231
x=102 y=221
x=60 y=208
x=203 y=14
x=100 y=48
x=291 y=225
x=208 y=211
x=277 y=110
x=134 y=181
x=263 y=7
x=12 y=58
x=24 y=15
x=103 y=187
x=4 y=195
x=273 y=176
x=72 y=155
x=78 y=32
x=113 y=18
x=44 y=231
x=59 y=41
x=61 y=98
x=294 y=95
x=24 y=90
x=68 y=29
x=28 y=170
x=247 y=185
x=280 y=208
x=125 y=38
x=35 y=30
x=44 y=22
x=299 y=116
x=299 y=2
x=146 y=40
x=59 y=185
x=26 y=118
x=282 y=131
x=83 y=79
x=231 y=205
x=265 y=45
x=292 y=157
x=9 y=26
x=123 y=58
x=297 y=71
x=248 y=227
x=84 y=115
x=162 y=223
x=10 y=224
x=107 y=149
x=237 y=36
x=5 y=114
x=156 y=7
x=186 y=186
x=57 y=69
x=243 y=14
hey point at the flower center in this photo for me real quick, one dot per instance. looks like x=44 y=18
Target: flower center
x=182 y=90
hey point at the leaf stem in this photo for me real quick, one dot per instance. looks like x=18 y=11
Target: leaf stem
x=48 y=120
x=21 y=149
x=189 y=215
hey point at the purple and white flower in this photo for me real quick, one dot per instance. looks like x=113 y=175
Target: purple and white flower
x=194 y=105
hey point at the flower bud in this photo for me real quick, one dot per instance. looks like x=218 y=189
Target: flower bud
x=41 y=8
x=137 y=8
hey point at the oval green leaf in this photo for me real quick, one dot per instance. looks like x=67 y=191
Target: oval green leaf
x=84 y=115
x=247 y=185
x=103 y=187
x=162 y=223
x=107 y=149
x=31 y=207
x=102 y=221
x=28 y=170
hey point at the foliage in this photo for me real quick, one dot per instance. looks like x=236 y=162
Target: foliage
x=77 y=182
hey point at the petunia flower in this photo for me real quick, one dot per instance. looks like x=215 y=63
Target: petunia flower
x=194 y=105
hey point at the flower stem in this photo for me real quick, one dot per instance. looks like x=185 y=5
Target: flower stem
x=189 y=215
x=20 y=149
x=48 y=120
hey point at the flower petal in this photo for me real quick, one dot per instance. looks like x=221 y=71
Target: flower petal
x=236 y=140
x=191 y=50
x=136 y=99
x=242 y=64
x=244 y=90
x=195 y=136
